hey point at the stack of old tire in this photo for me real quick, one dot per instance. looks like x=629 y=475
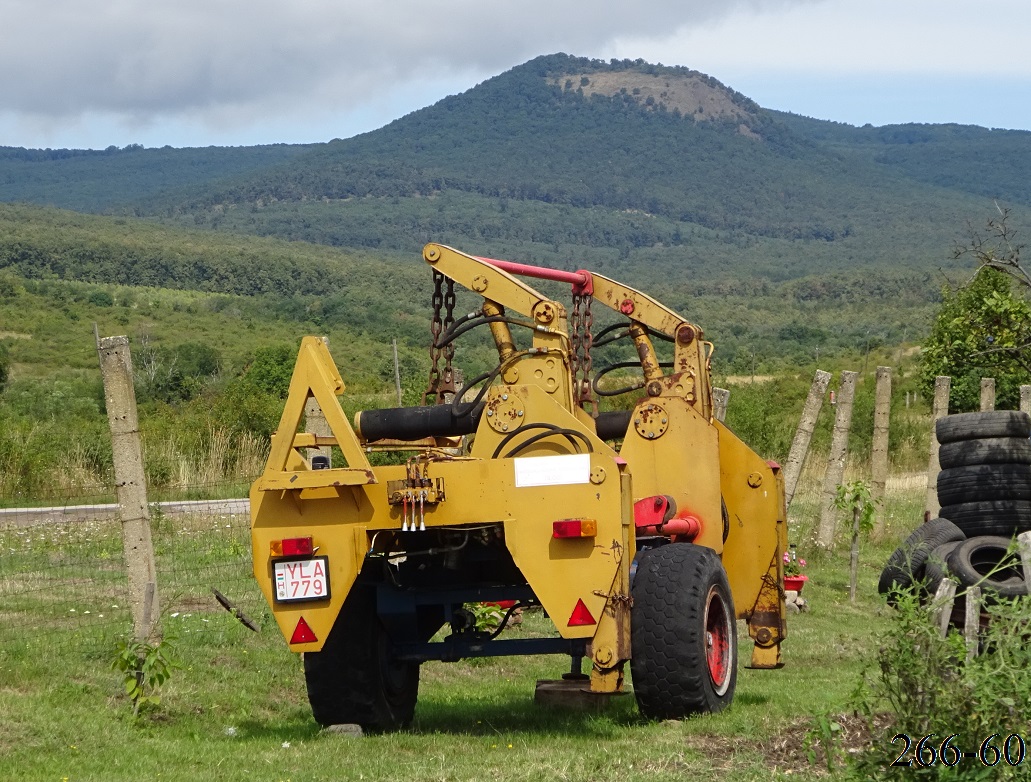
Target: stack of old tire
x=984 y=489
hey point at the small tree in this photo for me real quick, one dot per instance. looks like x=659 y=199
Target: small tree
x=983 y=329
x=855 y=496
x=145 y=667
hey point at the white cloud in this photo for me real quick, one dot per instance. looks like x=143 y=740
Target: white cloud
x=147 y=57
x=907 y=37
x=259 y=71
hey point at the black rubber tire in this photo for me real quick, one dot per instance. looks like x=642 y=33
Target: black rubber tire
x=905 y=566
x=975 y=558
x=353 y=680
x=1002 y=517
x=993 y=450
x=683 y=633
x=989 y=423
x=936 y=568
x=980 y=482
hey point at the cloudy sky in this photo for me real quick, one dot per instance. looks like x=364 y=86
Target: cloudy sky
x=240 y=72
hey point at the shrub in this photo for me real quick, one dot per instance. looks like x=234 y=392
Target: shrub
x=927 y=686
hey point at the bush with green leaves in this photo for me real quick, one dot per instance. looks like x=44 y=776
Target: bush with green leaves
x=982 y=330
x=145 y=667
x=927 y=685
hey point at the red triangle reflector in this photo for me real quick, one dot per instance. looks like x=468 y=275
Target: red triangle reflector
x=581 y=616
x=302 y=633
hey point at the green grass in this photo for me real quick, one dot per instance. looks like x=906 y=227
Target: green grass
x=237 y=709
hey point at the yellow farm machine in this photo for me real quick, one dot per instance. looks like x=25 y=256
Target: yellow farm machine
x=643 y=534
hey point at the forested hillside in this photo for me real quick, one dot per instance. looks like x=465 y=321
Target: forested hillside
x=114 y=179
x=653 y=173
x=784 y=236
x=756 y=323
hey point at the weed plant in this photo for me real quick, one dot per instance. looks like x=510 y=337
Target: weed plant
x=926 y=684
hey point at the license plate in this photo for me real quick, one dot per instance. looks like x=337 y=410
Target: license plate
x=301 y=579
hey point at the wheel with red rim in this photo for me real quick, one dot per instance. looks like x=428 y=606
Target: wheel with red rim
x=719 y=641
x=683 y=633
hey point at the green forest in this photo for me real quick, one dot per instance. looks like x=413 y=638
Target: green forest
x=213 y=346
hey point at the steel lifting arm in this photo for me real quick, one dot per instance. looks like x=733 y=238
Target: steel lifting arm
x=691 y=352
x=647 y=316
x=548 y=359
x=496 y=286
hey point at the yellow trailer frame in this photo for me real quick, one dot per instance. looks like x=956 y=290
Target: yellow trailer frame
x=536 y=460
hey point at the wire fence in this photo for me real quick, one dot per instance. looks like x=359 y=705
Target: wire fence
x=63 y=574
x=63 y=578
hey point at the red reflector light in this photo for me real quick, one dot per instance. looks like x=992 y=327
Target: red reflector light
x=302 y=633
x=292 y=547
x=574 y=528
x=581 y=616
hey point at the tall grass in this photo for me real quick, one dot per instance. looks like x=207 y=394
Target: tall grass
x=174 y=464
x=901 y=509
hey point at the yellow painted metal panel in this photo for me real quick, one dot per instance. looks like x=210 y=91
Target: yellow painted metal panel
x=754 y=493
x=673 y=451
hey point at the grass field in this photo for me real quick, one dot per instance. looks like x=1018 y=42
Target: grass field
x=237 y=709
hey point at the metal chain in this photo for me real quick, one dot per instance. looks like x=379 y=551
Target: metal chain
x=582 y=341
x=447 y=389
x=576 y=359
x=436 y=327
x=441 y=384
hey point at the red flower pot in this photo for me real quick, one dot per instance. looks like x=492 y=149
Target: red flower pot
x=794 y=583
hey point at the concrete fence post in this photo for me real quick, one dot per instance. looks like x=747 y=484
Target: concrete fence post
x=987 y=393
x=1024 y=543
x=972 y=621
x=804 y=433
x=1025 y=399
x=941 y=606
x=879 y=455
x=720 y=400
x=130 y=482
x=835 y=472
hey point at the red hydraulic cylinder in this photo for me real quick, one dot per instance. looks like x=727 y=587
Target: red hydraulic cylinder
x=581 y=280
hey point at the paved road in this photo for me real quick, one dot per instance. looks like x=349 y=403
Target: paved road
x=30 y=517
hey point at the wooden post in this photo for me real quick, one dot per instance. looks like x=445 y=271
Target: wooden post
x=1025 y=399
x=972 y=621
x=941 y=607
x=804 y=433
x=130 y=481
x=942 y=384
x=879 y=456
x=1024 y=541
x=720 y=399
x=836 y=460
x=315 y=423
x=987 y=393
